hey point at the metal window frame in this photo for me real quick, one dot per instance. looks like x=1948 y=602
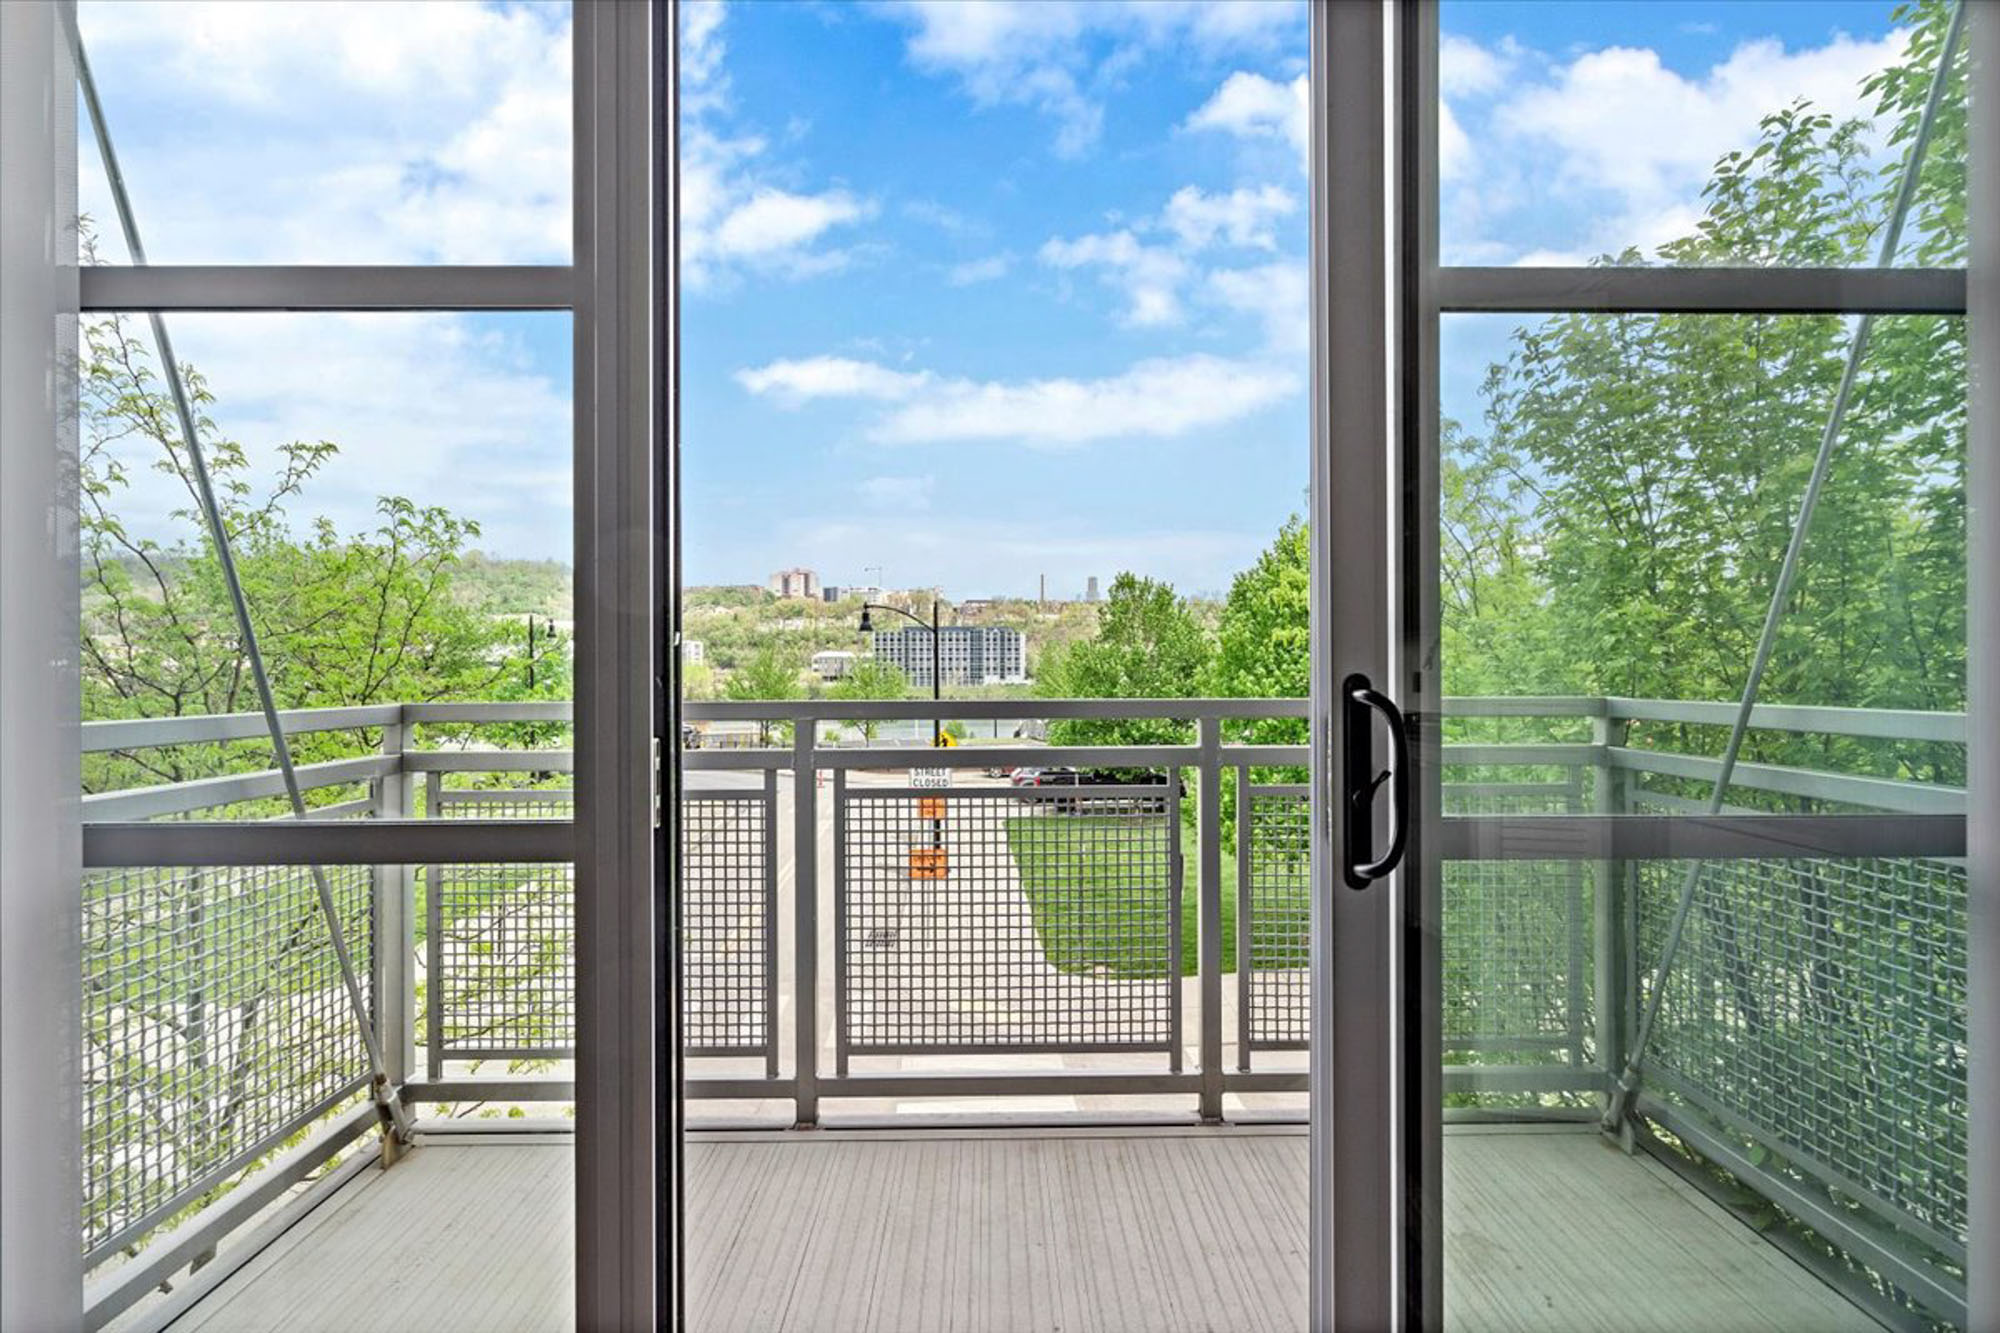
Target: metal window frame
x=41 y=1272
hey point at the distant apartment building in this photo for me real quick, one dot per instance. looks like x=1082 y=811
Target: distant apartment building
x=693 y=652
x=969 y=654
x=1090 y=589
x=832 y=592
x=795 y=583
x=832 y=664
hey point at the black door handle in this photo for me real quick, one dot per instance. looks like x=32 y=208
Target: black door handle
x=1359 y=701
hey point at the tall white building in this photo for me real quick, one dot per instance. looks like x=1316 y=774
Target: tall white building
x=968 y=654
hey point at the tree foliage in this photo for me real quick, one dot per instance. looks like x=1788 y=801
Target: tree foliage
x=1149 y=645
x=341 y=617
x=1264 y=648
x=871 y=678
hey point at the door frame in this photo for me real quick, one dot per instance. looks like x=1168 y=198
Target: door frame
x=1357 y=1092
x=627 y=1116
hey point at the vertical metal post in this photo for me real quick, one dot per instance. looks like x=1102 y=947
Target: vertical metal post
x=1577 y=996
x=433 y=948
x=393 y=985
x=1176 y=900
x=1246 y=957
x=805 y=924
x=1210 y=942
x=1607 y=954
x=840 y=938
x=770 y=922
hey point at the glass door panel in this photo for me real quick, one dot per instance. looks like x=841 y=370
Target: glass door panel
x=1687 y=645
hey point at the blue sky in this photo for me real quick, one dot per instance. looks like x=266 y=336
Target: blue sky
x=973 y=292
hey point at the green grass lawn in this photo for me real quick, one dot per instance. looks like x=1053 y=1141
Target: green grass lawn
x=1098 y=888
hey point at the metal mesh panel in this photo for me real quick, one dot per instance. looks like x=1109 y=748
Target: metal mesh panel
x=215 y=1023
x=1280 y=883
x=1817 y=1010
x=504 y=960
x=728 y=925
x=1516 y=947
x=1516 y=957
x=1014 y=922
x=502 y=955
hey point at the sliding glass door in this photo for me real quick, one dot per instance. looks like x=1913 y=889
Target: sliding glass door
x=1668 y=550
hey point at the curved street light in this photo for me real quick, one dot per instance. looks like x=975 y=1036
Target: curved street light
x=937 y=657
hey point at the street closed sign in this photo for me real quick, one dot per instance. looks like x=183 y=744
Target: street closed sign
x=930 y=777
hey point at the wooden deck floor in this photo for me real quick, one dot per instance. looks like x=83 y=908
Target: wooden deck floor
x=1082 y=1231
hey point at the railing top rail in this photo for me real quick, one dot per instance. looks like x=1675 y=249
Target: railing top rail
x=146 y=733
x=980 y=710
x=173 y=798
x=1523 y=705
x=1907 y=724
x=207 y=728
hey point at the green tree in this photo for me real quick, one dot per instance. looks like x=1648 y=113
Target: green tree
x=871 y=678
x=1264 y=648
x=341 y=618
x=1148 y=645
x=770 y=674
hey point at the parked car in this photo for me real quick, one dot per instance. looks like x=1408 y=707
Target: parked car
x=1043 y=777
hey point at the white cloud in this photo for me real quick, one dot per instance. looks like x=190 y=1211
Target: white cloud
x=1058 y=55
x=794 y=383
x=899 y=493
x=1608 y=109
x=1148 y=275
x=1251 y=106
x=771 y=221
x=1151 y=276
x=988 y=269
x=702 y=77
x=1155 y=399
x=1612 y=148
x=1467 y=69
x=1276 y=294
x=1241 y=217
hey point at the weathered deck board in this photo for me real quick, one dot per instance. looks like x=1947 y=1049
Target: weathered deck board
x=1087 y=1232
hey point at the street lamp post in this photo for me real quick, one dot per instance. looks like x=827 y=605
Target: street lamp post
x=937 y=656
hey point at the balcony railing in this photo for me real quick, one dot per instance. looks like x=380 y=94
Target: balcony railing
x=852 y=929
